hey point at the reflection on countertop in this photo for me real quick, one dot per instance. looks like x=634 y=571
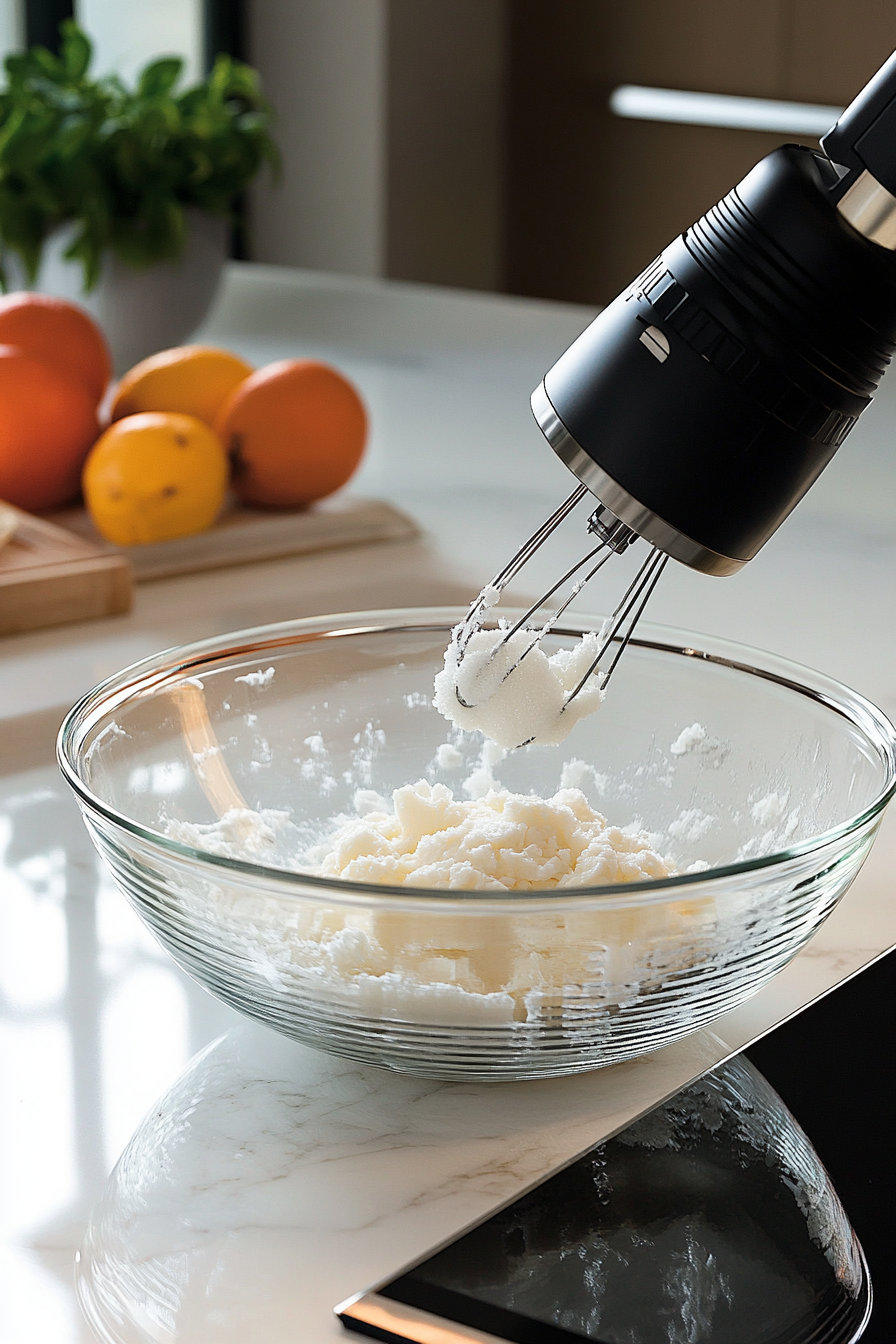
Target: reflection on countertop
x=94 y=1020
x=270 y=1182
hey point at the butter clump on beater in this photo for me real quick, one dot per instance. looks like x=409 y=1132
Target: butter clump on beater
x=512 y=691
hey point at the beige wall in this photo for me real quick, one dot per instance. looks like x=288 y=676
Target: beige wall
x=445 y=184
x=391 y=126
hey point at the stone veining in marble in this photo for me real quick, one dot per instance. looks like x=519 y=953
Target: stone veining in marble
x=336 y=1170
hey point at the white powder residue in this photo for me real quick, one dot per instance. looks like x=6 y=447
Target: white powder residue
x=239 y=834
x=690 y=825
x=694 y=740
x=448 y=757
x=368 y=800
x=776 y=838
x=525 y=704
x=258 y=678
x=483 y=779
x=769 y=809
x=574 y=772
x=500 y=842
x=200 y=757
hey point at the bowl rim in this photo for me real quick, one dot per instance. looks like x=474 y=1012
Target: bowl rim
x=149 y=674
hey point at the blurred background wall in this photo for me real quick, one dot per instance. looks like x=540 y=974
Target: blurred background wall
x=491 y=159
x=591 y=198
x=469 y=142
x=392 y=121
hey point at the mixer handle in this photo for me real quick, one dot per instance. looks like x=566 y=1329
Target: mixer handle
x=864 y=137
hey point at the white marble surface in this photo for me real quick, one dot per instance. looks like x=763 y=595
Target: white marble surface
x=94 y=1021
x=272 y=1181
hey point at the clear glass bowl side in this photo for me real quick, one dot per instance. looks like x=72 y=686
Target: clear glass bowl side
x=472 y=989
x=186 y=735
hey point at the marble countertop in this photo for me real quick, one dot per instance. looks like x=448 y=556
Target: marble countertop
x=273 y=1181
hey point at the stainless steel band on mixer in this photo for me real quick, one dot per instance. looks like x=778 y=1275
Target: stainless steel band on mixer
x=611 y=494
x=871 y=210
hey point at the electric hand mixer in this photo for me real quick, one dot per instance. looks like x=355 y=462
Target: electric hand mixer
x=704 y=401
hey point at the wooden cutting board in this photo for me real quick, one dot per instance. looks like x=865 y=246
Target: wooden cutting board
x=49 y=576
x=58 y=569
x=242 y=535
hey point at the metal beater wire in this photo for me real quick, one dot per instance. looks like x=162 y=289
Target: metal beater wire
x=627 y=614
x=468 y=625
x=544 y=599
x=624 y=618
x=538 y=635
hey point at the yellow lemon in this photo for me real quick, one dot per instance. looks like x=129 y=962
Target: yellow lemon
x=193 y=379
x=153 y=477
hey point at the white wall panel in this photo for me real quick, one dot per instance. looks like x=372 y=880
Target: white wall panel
x=11 y=26
x=127 y=35
x=323 y=67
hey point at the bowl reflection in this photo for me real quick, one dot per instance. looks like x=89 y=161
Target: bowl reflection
x=711 y=1219
x=265 y=1186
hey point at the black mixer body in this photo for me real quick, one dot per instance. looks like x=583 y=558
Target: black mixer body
x=704 y=401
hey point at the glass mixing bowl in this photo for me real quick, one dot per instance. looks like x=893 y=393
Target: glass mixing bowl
x=253 y=744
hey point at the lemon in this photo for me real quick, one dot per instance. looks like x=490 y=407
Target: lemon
x=193 y=379
x=153 y=477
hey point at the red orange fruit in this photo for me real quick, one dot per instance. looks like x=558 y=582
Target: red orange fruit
x=47 y=425
x=294 y=431
x=59 y=333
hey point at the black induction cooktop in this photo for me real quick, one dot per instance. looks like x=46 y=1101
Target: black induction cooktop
x=833 y=1066
x=710 y=1220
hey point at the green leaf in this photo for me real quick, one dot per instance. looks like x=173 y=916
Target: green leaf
x=76 y=50
x=160 y=77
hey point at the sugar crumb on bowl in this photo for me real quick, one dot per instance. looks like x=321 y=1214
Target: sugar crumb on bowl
x=258 y=678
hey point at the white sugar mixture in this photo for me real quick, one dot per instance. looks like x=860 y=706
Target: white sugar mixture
x=475 y=964
x=500 y=842
x=526 y=704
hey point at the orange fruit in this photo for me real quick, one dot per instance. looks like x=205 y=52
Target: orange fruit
x=59 y=333
x=193 y=379
x=155 y=476
x=47 y=424
x=294 y=432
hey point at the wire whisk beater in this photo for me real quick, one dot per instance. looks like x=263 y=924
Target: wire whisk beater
x=613 y=537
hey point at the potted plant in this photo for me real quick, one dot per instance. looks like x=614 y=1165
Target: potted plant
x=122 y=198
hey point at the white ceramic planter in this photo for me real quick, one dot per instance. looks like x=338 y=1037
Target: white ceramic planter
x=139 y=311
